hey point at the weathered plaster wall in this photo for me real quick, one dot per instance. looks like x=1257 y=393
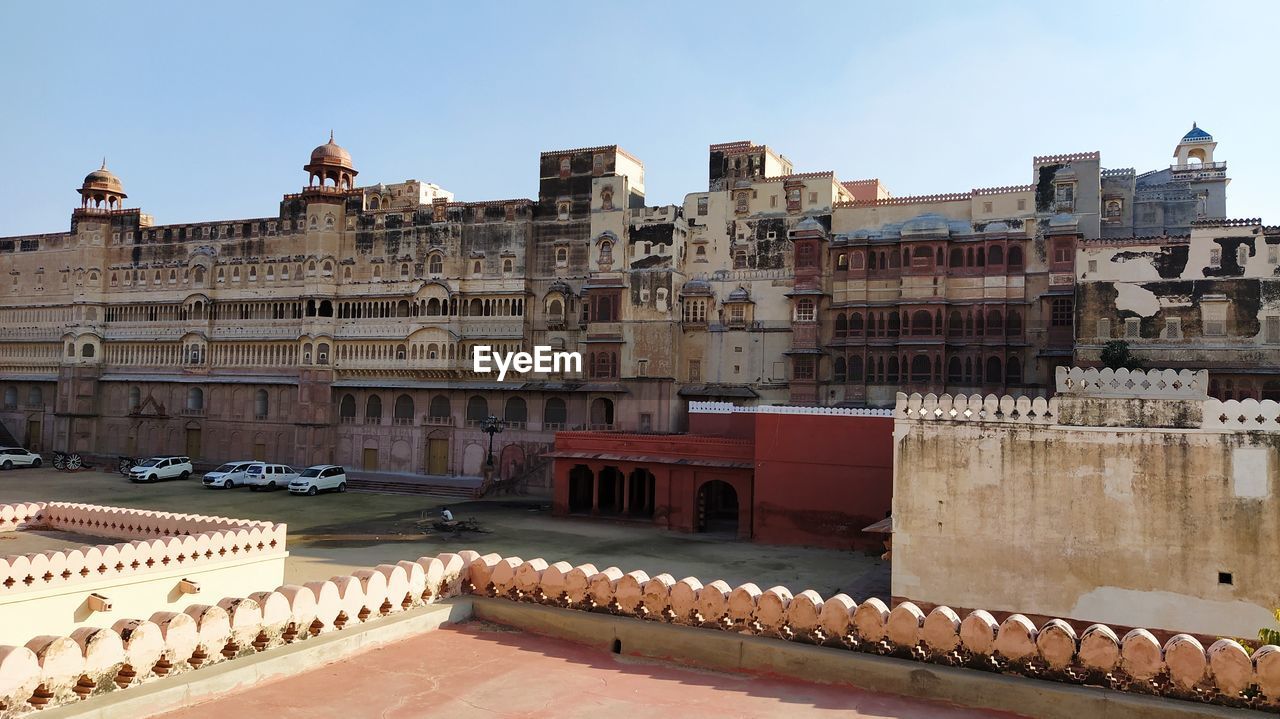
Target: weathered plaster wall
x=1120 y=525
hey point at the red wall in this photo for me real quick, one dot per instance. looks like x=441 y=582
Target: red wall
x=820 y=479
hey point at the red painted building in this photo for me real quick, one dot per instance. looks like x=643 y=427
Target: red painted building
x=780 y=475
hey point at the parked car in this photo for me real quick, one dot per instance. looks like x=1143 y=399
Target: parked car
x=264 y=475
x=228 y=475
x=157 y=468
x=320 y=478
x=11 y=457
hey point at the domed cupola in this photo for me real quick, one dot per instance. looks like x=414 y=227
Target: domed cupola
x=331 y=166
x=1196 y=147
x=102 y=190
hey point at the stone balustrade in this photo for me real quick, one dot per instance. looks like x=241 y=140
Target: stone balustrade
x=158 y=541
x=1134 y=384
x=976 y=408
x=1246 y=414
x=51 y=670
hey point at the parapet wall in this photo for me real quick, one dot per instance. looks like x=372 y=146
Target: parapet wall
x=1129 y=498
x=52 y=670
x=168 y=561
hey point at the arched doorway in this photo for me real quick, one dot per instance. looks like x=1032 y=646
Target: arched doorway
x=640 y=488
x=472 y=460
x=602 y=413
x=717 y=508
x=511 y=462
x=611 y=488
x=581 y=489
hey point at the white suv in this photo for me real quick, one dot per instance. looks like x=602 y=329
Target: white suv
x=320 y=478
x=157 y=468
x=11 y=457
x=228 y=475
x=263 y=475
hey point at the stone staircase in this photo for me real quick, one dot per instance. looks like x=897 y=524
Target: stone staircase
x=413 y=484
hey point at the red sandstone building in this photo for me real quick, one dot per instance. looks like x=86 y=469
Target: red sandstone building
x=780 y=475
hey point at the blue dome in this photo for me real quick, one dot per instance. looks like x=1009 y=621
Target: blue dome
x=1196 y=134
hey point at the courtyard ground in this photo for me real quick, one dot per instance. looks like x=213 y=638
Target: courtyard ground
x=331 y=534
x=481 y=670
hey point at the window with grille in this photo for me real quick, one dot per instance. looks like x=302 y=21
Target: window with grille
x=805 y=311
x=1060 y=313
x=1173 y=328
x=1104 y=328
x=1132 y=328
x=695 y=370
x=1214 y=319
x=1273 y=330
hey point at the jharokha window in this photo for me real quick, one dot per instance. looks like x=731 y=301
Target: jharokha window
x=806 y=310
x=804 y=367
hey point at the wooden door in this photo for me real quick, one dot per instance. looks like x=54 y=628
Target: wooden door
x=370 y=460
x=193 y=443
x=437 y=456
x=260 y=451
x=33 y=434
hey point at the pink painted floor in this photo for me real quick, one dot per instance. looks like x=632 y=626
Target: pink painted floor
x=478 y=670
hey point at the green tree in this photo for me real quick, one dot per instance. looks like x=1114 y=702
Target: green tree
x=1116 y=355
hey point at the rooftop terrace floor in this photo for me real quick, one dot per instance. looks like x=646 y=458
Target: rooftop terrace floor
x=482 y=670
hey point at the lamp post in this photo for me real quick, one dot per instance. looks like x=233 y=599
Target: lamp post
x=491 y=426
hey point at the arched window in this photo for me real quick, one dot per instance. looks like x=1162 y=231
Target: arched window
x=920 y=366
x=508 y=265
x=198 y=274
x=404 y=270
x=517 y=413
x=955 y=324
x=855 y=369
x=322 y=352
x=993 y=370
x=954 y=371
x=401 y=352
x=842 y=262
x=921 y=323
x=10 y=397
x=477 y=409
x=892 y=374
x=1013 y=324
x=841 y=326
x=855 y=324
x=404 y=410
x=346 y=272
x=261 y=404
x=377 y=272
x=995 y=256
x=995 y=321
x=135 y=398
x=35 y=397
x=373 y=409
x=440 y=408
x=475 y=269
x=1013 y=371
x=555 y=415
x=1015 y=258
x=87 y=350
x=195 y=399
x=347 y=409
x=555 y=309
x=894 y=324
x=839 y=370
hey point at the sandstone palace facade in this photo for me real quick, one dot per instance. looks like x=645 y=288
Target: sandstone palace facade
x=340 y=329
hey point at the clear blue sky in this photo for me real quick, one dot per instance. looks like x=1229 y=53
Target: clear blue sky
x=208 y=111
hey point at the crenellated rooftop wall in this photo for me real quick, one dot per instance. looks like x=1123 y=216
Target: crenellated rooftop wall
x=51 y=670
x=167 y=561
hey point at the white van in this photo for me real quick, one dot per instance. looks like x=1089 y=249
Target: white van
x=228 y=475
x=264 y=475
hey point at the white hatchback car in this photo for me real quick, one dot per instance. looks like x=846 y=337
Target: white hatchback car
x=228 y=475
x=320 y=478
x=11 y=457
x=264 y=475
x=157 y=468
